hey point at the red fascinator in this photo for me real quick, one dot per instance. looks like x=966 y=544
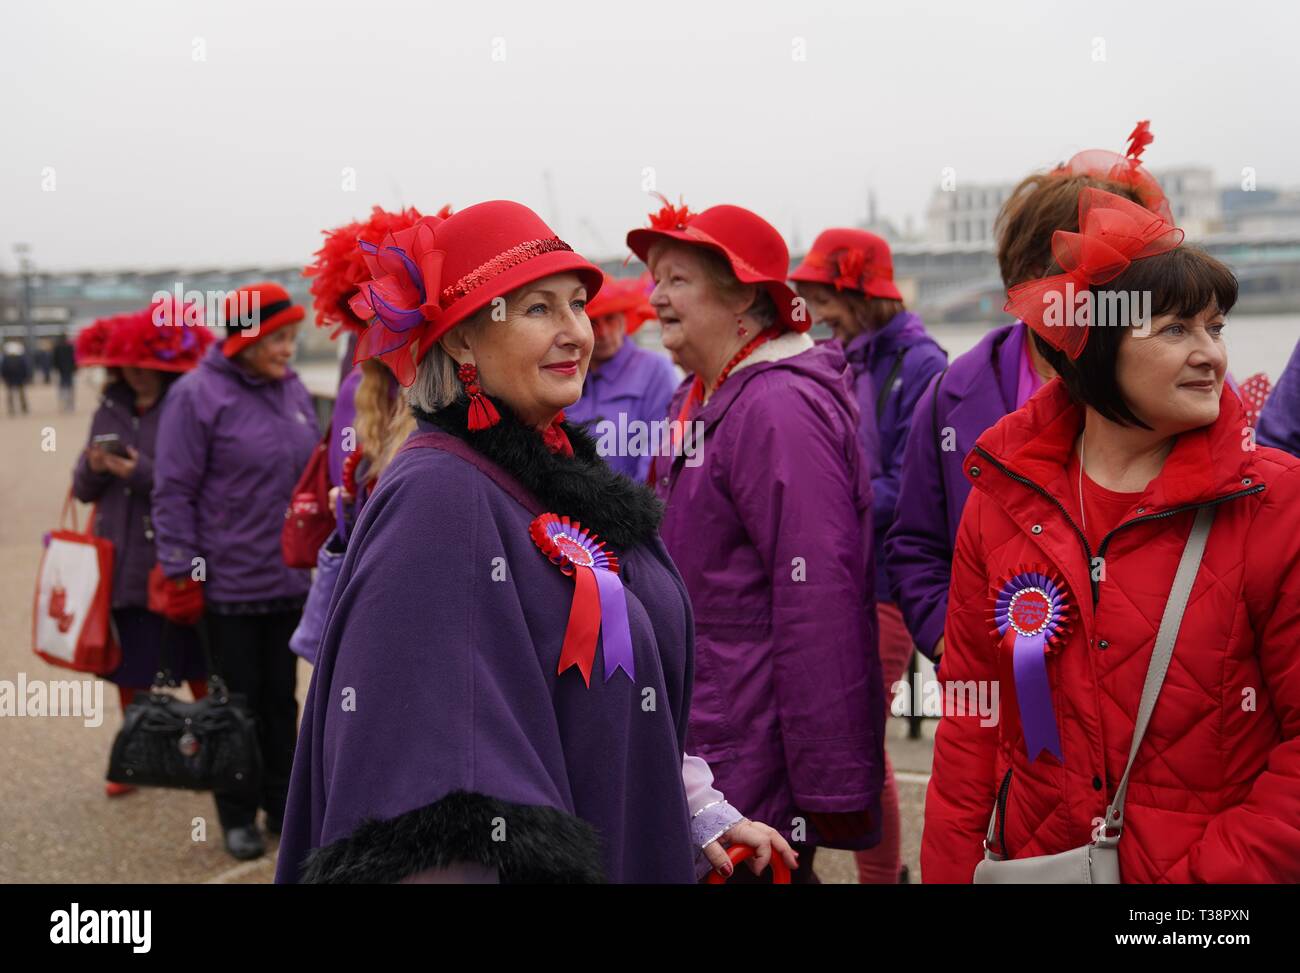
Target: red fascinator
x=1126 y=169
x=165 y=337
x=850 y=259
x=1113 y=232
x=340 y=266
x=751 y=245
x=426 y=279
x=629 y=297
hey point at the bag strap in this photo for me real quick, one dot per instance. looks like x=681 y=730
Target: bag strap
x=883 y=394
x=458 y=447
x=1167 y=635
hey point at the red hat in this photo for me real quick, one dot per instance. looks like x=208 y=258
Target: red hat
x=750 y=244
x=91 y=344
x=1126 y=169
x=427 y=279
x=628 y=296
x=160 y=338
x=852 y=259
x=254 y=311
x=1113 y=232
x=340 y=266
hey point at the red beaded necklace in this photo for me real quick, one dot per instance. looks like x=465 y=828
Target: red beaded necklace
x=696 y=396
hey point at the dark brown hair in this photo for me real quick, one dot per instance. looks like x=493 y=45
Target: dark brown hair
x=1039 y=206
x=1184 y=281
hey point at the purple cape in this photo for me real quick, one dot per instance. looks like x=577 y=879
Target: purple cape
x=437 y=679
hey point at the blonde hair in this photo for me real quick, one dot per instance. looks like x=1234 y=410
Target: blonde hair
x=383 y=420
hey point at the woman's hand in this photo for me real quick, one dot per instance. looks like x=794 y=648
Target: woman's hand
x=760 y=837
x=121 y=466
x=95 y=458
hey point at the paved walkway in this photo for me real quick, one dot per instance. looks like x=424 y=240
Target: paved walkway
x=56 y=824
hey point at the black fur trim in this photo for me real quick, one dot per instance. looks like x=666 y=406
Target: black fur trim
x=541 y=845
x=621 y=512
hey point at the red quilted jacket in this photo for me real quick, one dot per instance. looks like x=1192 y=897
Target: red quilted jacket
x=1214 y=795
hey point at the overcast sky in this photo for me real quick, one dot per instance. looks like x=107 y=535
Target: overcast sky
x=198 y=134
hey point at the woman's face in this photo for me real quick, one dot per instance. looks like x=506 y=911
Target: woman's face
x=833 y=309
x=269 y=357
x=609 y=331
x=536 y=359
x=1171 y=375
x=144 y=382
x=696 y=319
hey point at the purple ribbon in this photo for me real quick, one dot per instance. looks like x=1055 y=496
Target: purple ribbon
x=1029 y=654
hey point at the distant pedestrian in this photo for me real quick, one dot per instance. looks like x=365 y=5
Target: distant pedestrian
x=16 y=374
x=65 y=363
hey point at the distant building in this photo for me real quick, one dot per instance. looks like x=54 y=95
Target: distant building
x=965 y=214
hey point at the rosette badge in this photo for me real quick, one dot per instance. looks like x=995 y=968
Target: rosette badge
x=599 y=601
x=1031 y=615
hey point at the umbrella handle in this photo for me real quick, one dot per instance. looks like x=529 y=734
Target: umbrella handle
x=738 y=853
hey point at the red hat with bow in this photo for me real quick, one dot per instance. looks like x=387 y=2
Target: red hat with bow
x=1126 y=169
x=628 y=296
x=751 y=245
x=426 y=279
x=254 y=311
x=849 y=259
x=1113 y=232
x=164 y=337
x=340 y=265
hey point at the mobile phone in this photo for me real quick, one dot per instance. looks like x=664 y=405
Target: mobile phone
x=111 y=442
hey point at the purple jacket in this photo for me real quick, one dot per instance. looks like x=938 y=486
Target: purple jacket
x=461 y=727
x=230 y=449
x=1279 y=420
x=123 y=514
x=902 y=351
x=636 y=385
x=772 y=535
x=343 y=417
x=977 y=390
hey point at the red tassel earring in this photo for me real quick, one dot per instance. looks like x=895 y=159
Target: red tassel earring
x=482 y=413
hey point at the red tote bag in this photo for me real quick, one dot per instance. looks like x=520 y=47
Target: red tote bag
x=308 y=520
x=71 y=613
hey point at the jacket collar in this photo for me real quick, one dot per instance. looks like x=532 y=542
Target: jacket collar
x=901 y=331
x=583 y=487
x=1204 y=464
x=612 y=370
x=216 y=359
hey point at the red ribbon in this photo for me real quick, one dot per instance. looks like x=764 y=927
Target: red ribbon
x=579 y=648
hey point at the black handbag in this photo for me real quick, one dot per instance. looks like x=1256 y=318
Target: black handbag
x=207 y=745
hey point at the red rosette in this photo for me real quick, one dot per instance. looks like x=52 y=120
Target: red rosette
x=563 y=541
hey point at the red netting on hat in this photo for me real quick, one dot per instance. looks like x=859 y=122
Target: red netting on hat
x=1113 y=232
x=1126 y=169
x=401 y=297
x=340 y=266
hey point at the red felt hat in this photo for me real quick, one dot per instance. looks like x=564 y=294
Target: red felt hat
x=257 y=310
x=628 y=296
x=750 y=244
x=850 y=260
x=340 y=265
x=427 y=279
x=91 y=345
x=163 y=336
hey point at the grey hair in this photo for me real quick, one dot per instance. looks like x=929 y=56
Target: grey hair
x=437 y=384
x=762 y=310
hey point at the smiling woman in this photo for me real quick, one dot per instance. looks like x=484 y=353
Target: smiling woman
x=1083 y=505
x=506 y=608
